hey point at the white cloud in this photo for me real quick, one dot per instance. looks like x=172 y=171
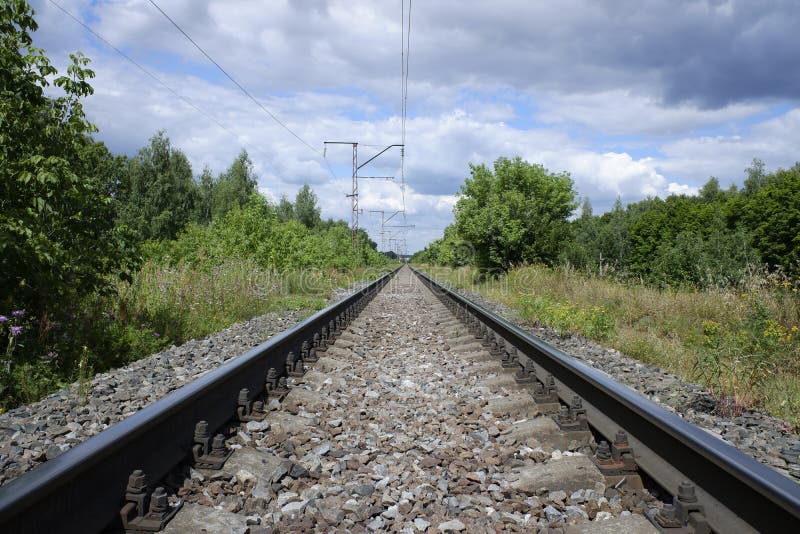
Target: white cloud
x=330 y=70
x=619 y=112
x=726 y=156
x=682 y=189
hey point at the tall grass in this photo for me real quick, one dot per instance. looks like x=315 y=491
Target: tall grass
x=162 y=305
x=743 y=343
x=187 y=301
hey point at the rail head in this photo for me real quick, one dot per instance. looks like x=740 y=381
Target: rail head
x=742 y=489
x=83 y=489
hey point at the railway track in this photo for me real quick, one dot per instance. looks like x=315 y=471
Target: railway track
x=402 y=408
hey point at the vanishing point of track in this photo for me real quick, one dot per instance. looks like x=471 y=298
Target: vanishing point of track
x=403 y=407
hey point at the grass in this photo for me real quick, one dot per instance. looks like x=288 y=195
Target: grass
x=162 y=305
x=742 y=343
x=183 y=302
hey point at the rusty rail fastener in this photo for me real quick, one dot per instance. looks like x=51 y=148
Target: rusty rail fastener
x=143 y=512
x=547 y=392
x=616 y=459
x=247 y=410
x=684 y=516
x=308 y=352
x=510 y=358
x=294 y=365
x=526 y=373
x=209 y=453
x=323 y=339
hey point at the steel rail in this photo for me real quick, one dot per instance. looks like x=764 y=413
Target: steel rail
x=83 y=489
x=739 y=494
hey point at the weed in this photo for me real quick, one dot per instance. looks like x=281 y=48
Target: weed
x=741 y=342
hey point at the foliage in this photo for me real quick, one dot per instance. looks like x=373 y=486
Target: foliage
x=449 y=250
x=159 y=193
x=738 y=359
x=305 y=207
x=518 y=213
x=594 y=322
x=771 y=212
x=234 y=187
x=257 y=233
x=58 y=242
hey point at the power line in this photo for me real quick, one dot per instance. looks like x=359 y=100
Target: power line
x=251 y=97
x=151 y=75
x=405 y=51
x=237 y=84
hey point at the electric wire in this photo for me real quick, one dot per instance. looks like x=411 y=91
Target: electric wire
x=231 y=78
x=154 y=77
x=249 y=95
x=405 y=51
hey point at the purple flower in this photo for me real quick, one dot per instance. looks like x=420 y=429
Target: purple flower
x=51 y=354
x=3 y=319
x=18 y=313
x=16 y=330
x=156 y=334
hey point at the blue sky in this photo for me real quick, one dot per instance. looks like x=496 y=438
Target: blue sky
x=632 y=98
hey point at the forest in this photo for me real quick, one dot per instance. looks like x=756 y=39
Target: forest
x=520 y=213
x=106 y=258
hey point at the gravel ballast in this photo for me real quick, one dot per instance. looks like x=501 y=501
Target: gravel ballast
x=32 y=434
x=407 y=423
x=35 y=433
x=768 y=439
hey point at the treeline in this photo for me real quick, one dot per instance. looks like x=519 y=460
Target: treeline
x=520 y=213
x=77 y=222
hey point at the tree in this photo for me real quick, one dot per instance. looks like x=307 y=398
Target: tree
x=235 y=186
x=161 y=194
x=772 y=214
x=57 y=186
x=205 y=197
x=285 y=209
x=710 y=191
x=305 y=207
x=518 y=213
x=756 y=177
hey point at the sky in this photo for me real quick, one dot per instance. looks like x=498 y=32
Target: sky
x=632 y=98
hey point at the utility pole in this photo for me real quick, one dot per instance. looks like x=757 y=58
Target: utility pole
x=354 y=194
x=384 y=220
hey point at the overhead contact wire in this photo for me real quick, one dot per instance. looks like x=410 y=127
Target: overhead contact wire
x=153 y=76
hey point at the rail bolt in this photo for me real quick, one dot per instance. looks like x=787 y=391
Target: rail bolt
x=603 y=453
x=201 y=431
x=247 y=410
x=158 y=501
x=135 y=519
x=526 y=373
x=686 y=492
x=137 y=482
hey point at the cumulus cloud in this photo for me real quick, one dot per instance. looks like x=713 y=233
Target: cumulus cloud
x=633 y=100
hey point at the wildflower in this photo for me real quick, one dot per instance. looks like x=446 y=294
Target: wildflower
x=18 y=313
x=156 y=334
x=16 y=330
x=3 y=319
